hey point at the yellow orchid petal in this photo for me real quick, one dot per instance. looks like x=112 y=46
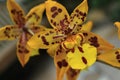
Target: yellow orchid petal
x=37 y=28
x=79 y=14
x=60 y=63
x=72 y=74
x=97 y=41
x=60 y=72
x=52 y=50
x=57 y=15
x=45 y=39
x=16 y=13
x=35 y=15
x=87 y=26
x=9 y=32
x=117 y=24
x=23 y=52
x=111 y=57
x=82 y=57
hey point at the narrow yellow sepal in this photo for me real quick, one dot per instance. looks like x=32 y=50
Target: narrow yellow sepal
x=87 y=26
x=16 y=12
x=9 y=32
x=35 y=14
x=111 y=57
x=117 y=24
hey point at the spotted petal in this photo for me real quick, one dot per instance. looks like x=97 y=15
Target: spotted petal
x=57 y=15
x=117 y=24
x=87 y=26
x=52 y=50
x=97 y=41
x=9 y=32
x=35 y=15
x=23 y=52
x=79 y=14
x=16 y=13
x=45 y=39
x=72 y=74
x=60 y=63
x=111 y=57
x=37 y=28
x=82 y=56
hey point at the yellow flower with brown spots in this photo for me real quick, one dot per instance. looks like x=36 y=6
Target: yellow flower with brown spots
x=23 y=29
x=112 y=57
x=71 y=43
x=117 y=24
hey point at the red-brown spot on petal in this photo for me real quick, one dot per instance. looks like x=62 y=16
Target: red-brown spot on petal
x=118 y=56
x=47 y=34
x=81 y=13
x=20 y=51
x=72 y=50
x=54 y=23
x=54 y=15
x=54 y=8
x=77 y=10
x=80 y=49
x=83 y=18
x=94 y=41
x=51 y=32
x=64 y=63
x=44 y=40
x=59 y=63
x=59 y=10
x=84 y=60
x=13 y=11
x=119 y=61
x=116 y=52
x=85 y=34
x=73 y=72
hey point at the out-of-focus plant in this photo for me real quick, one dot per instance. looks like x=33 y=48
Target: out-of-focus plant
x=23 y=29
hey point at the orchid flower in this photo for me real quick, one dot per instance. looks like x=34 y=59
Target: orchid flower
x=23 y=29
x=112 y=57
x=117 y=24
x=71 y=43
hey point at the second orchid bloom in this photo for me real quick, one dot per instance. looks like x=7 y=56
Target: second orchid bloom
x=23 y=29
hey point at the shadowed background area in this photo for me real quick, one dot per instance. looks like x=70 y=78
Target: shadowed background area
x=102 y=12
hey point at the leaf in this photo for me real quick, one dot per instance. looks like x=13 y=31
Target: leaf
x=72 y=74
x=111 y=57
x=82 y=56
x=45 y=39
x=16 y=13
x=57 y=15
x=78 y=16
x=35 y=15
x=23 y=52
x=97 y=41
x=9 y=32
x=117 y=24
